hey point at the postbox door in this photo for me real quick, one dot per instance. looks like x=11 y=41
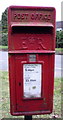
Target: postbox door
x=42 y=102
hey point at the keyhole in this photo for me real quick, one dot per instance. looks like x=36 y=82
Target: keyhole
x=19 y=83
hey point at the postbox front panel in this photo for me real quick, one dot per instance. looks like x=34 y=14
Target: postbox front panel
x=31 y=45
x=31 y=84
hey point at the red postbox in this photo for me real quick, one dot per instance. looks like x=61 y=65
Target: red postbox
x=31 y=49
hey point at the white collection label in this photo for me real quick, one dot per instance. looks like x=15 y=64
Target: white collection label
x=32 y=80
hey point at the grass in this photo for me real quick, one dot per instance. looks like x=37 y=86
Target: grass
x=56 y=49
x=59 y=49
x=3 y=47
x=4 y=100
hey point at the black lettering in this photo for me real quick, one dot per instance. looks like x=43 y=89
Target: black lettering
x=32 y=80
x=30 y=69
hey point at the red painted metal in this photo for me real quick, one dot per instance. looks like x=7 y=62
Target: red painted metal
x=31 y=30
